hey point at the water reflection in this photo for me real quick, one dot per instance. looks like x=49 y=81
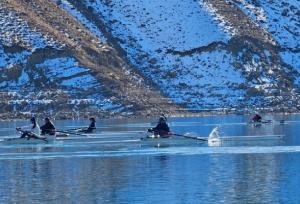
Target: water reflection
x=168 y=179
x=130 y=174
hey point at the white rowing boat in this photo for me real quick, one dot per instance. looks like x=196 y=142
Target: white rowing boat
x=214 y=138
x=18 y=140
x=264 y=122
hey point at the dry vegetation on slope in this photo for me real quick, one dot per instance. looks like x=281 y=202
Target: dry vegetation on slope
x=104 y=61
x=131 y=57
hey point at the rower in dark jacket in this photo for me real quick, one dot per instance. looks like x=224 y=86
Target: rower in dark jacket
x=256 y=118
x=162 y=129
x=48 y=127
x=91 y=127
x=31 y=132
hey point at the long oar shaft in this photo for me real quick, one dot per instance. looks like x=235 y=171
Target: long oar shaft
x=189 y=137
x=76 y=129
x=68 y=132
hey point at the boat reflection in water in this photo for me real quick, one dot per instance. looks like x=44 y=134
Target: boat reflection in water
x=115 y=166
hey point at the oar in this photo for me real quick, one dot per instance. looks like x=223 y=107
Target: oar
x=75 y=129
x=31 y=135
x=65 y=131
x=266 y=121
x=71 y=133
x=261 y=122
x=189 y=137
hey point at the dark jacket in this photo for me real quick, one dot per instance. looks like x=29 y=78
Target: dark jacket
x=48 y=128
x=162 y=127
x=257 y=118
x=91 y=127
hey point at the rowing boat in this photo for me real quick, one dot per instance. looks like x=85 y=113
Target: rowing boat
x=18 y=140
x=172 y=140
x=263 y=122
x=60 y=134
x=214 y=139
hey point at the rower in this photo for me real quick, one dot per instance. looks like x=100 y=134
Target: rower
x=48 y=127
x=35 y=128
x=30 y=135
x=34 y=131
x=91 y=127
x=165 y=117
x=256 y=118
x=162 y=129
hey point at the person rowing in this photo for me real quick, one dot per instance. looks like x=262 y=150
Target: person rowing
x=256 y=118
x=35 y=128
x=162 y=129
x=91 y=127
x=34 y=131
x=48 y=127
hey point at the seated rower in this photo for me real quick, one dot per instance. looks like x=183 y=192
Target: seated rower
x=35 y=126
x=162 y=129
x=256 y=118
x=34 y=132
x=48 y=127
x=30 y=135
x=91 y=127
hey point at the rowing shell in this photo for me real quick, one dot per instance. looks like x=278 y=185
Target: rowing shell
x=264 y=122
x=157 y=141
x=19 y=140
x=214 y=140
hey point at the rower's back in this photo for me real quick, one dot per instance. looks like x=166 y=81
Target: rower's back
x=35 y=126
x=48 y=127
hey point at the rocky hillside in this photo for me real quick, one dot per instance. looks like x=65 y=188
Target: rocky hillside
x=70 y=58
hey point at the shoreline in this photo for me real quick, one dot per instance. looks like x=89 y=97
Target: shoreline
x=183 y=113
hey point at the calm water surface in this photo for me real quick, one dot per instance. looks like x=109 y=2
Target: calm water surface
x=114 y=166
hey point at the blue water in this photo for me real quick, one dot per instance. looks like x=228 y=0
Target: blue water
x=115 y=166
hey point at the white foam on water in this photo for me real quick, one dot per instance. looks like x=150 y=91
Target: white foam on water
x=214 y=138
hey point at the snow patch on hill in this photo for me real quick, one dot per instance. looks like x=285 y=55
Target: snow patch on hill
x=14 y=30
x=75 y=80
x=150 y=32
x=172 y=23
x=14 y=84
x=81 y=18
x=66 y=72
x=10 y=58
x=280 y=18
x=292 y=58
x=226 y=27
x=54 y=82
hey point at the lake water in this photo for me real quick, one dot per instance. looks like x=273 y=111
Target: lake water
x=114 y=166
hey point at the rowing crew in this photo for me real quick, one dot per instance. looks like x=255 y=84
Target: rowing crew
x=162 y=129
x=257 y=120
x=37 y=132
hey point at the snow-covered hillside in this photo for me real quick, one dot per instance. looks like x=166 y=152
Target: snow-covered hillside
x=282 y=19
x=37 y=74
x=121 y=56
x=197 y=56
